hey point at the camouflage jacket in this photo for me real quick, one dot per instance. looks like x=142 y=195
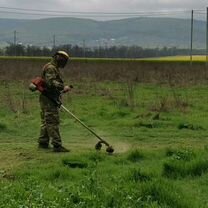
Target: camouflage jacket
x=53 y=79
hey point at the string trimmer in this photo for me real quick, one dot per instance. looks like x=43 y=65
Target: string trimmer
x=38 y=84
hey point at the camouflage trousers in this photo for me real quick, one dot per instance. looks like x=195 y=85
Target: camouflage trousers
x=49 y=123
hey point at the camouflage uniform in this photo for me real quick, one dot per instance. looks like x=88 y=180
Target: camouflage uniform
x=49 y=110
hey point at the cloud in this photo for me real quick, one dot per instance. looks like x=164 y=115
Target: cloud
x=106 y=5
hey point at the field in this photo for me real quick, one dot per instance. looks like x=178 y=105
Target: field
x=157 y=125
x=182 y=58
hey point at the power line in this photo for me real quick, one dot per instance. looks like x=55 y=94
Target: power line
x=90 y=12
x=64 y=13
x=54 y=13
x=199 y=12
x=94 y=15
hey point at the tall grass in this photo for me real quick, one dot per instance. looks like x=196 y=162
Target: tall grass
x=100 y=70
x=181 y=169
x=136 y=175
x=164 y=194
x=183 y=163
x=135 y=156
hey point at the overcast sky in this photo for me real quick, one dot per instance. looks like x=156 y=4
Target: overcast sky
x=99 y=6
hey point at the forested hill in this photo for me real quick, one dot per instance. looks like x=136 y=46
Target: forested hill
x=145 y=32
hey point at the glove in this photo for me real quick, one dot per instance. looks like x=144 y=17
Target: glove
x=32 y=87
x=67 y=88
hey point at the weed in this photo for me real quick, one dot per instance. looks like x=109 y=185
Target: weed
x=143 y=124
x=130 y=94
x=135 y=156
x=137 y=175
x=190 y=126
x=206 y=147
x=119 y=114
x=149 y=124
x=163 y=104
x=156 y=117
x=74 y=163
x=57 y=174
x=76 y=198
x=165 y=194
x=183 y=154
x=3 y=127
x=9 y=99
x=96 y=157
x=181 y=169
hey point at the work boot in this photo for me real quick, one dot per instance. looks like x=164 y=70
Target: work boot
x=43 y=146
x=60 y=149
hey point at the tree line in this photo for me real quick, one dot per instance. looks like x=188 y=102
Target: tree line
x=96 y=52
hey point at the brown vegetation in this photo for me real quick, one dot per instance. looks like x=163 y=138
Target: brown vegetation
x=146 y=72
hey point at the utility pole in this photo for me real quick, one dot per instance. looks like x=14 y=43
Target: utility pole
x=15 y=42
x=54 y=41
x=207 y=41
x=99 y=48
x=191 y=48
x=84 y=49
x=106 y=48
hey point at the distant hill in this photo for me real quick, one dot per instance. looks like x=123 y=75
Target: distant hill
x=145 y=32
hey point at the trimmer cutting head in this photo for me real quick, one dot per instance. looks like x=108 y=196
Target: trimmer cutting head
x=109 y=148
x=98 y=146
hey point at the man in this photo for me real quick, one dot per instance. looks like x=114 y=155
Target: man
x=54 y=86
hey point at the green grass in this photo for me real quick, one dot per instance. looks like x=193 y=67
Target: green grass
x=184 y=163
x=135 y=156
x=165 y=194
x=155 y=164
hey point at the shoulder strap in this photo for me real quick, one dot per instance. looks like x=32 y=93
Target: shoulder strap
x=44 y=69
